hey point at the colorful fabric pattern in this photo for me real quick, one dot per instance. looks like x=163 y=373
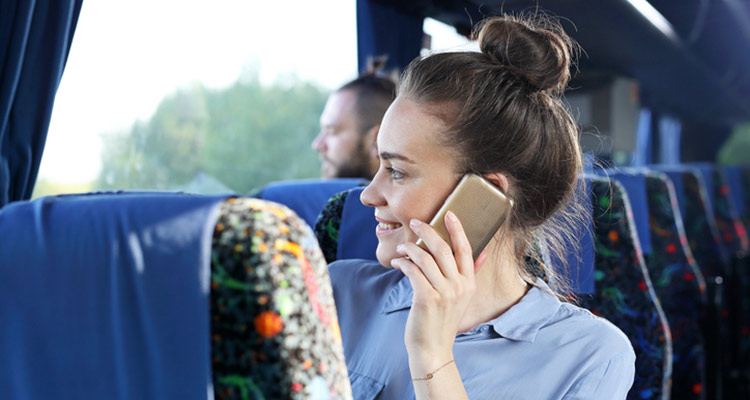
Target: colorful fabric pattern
x=624 y=294
x=735 y=240
x=274 y=329
x=328 y=224
x=680 y=286
x=713 y=260
x=731 y=230
x=702 y=233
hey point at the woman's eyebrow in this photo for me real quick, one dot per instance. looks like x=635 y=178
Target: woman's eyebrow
x=390 y=156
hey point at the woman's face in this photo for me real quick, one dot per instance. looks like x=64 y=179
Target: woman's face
x=416 y=175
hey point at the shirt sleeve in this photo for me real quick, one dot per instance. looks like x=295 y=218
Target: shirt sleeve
x=611 y=380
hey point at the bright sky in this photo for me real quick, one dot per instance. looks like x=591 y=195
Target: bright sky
x=126 y=56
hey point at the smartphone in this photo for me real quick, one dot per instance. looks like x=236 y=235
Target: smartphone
x=480 y=206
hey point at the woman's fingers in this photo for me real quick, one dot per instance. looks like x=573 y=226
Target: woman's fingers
x=424 y=262
x=460 y=243
x=419 y=282
x=440 y=250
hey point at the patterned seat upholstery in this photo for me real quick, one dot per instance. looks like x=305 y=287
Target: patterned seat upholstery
x=274 y=332
x=732 y=233
x=328 y=225
x=735 y=241
x=713 y=260
x=624 y=293
x=680 y=286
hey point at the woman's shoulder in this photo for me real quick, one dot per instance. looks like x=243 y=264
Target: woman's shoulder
x=595 y=332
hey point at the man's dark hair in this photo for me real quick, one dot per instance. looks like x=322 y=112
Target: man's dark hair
x=374 y=93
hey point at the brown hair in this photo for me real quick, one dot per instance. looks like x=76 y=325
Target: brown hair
x=503 y=111
x=374 y=92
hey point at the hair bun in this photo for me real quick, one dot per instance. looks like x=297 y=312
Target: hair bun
x=537 y=50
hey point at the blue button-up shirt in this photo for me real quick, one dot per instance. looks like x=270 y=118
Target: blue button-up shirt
x=538 y=349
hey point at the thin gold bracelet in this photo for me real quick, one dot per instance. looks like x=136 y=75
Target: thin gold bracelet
x=431 y=374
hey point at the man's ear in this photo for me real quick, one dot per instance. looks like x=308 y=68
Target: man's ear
x=498 y=179
x=371 y=137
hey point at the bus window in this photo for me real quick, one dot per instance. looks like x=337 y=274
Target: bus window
x=204 y=97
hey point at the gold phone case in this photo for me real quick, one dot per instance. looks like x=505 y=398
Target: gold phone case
x=479 y=205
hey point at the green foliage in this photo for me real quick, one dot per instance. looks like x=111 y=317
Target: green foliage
x=736 y=150
x=45 y=187
x=245 y=136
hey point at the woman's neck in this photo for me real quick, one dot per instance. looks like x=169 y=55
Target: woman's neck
x=498 y=286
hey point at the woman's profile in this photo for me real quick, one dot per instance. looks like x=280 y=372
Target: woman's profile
x=439 y=324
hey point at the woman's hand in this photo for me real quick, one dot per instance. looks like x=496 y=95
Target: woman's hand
x=444 y=285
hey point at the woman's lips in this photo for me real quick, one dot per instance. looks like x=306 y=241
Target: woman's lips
x=385 y=227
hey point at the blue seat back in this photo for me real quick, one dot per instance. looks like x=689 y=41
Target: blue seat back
x=306 y=197
x=357 y=237
x=106 y=296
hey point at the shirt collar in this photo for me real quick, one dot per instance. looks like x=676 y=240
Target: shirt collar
x=399 y=298
x=521 y=322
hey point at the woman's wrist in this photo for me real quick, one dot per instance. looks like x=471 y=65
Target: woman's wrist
x=421 y=365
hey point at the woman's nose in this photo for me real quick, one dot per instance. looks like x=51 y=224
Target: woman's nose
x=371 y=196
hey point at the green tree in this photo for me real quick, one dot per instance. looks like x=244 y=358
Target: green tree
x=245 y=136
x=736 y=150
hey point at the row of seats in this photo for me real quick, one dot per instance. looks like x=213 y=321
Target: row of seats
x=164 y=296
x=665 y=260
x=157 y=295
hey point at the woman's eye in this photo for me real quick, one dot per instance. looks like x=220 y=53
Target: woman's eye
x=395 y=174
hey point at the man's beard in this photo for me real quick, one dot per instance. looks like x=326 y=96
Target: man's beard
x=357 y=165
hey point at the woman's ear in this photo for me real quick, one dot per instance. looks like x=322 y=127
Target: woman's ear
x=497 y=179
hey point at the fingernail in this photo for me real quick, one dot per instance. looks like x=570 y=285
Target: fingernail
x=451 y=216
x=415 y=223
x=400 y=248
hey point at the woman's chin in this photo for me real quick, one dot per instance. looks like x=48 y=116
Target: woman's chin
x=385 y=256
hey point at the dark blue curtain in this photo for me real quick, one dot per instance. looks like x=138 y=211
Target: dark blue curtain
x=383 y=30
x=35 y=38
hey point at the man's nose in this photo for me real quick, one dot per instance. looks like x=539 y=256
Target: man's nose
x=318 y=144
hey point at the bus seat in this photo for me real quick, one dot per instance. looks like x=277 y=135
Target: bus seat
x=736 y=190
x=712 y=258
x=346 y=228
x=624 y=293
x=580 y=255
x=680 y=286
x=746 y=190
x=108 y=296
x=677 y=280
x=274 y=332
x=700 y=224
x=306 y=197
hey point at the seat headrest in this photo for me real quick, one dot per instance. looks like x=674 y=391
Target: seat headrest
x=105 y=296
x=634 y=182
x=307 y=197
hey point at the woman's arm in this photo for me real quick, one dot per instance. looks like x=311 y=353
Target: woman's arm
x=443 y=285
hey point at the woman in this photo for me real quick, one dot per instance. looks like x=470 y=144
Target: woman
x=438 y=324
